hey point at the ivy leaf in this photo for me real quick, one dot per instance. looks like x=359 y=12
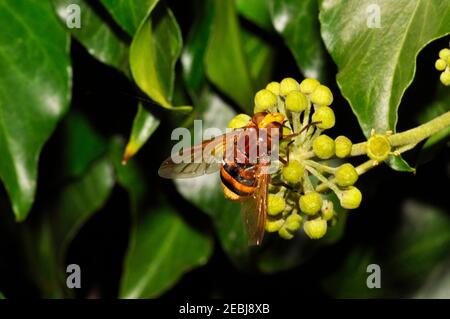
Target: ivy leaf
x=144 y=125
x=35 y=91
x=162 y=249
x=376 y=65
x=129 y=14
x=256 y=11
x=296 y=21
x=225 y=60
x=154 y=51
x=399 y=164
x=95 y=34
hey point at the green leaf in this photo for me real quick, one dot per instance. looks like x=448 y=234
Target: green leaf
x=376 y=65
x=225 y=60
x=296 y=21
x=436 y=285
x=153 y=54
x=256 y=11
x=163 y=248
x=129 y=14
x=95 y=34
x=399 y=164
x=35 y=91
x=144 y=125
x=80 y=199
x=206 y=192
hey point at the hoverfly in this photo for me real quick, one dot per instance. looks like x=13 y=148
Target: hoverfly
x=244 y=177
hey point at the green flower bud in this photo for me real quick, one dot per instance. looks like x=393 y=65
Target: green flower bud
x=440 y=65
x=309 y=85
x=323 y=146
x=315 y=228
x=239 y=121
x=274 y=87
x=378 y=147
x=445 y=78
x=325 y=116
x=285 y=234
x=293 y=172
x=264 y=99
x=322 y=96
x=293 y=222
x=273 y=225
x=327 y=210
x=343 y=146
x=444 y=53
x=287 y=85
x=350 y=198
x=310 y=203
x=275 y=205
x=346 y=175
x=296 y=101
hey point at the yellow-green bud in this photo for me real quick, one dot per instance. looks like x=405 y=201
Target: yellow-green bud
x=440 y=65
x=325 y=116
x=322 y=96
x=323 y=146
x=285 y=234
x=274 y=87
x=315 y=228
x=350 y=198
x=239 y=121
x=264 y=99
x=327 y=210
x=287 y=85
x=293 y=222
x=296 y=101
x=343 y=146
x=346 y=175
x=275 y=205
x=445 y=78
x=273 y=225
x=310 y=203
x=307 y=86
x=444 y=53
x=378 y=147
x=293 y=172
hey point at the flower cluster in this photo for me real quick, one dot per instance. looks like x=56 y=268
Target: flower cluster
x=443 y=64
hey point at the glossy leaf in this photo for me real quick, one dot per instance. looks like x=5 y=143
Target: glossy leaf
x=129 y=14
x=256 y=11
x=225 y=60
x=297 y=23
x=35 y=91
x=95 y=34
x=385 y=55
x=144 y=125
x=162 y=249
x=153 y=54
x=399 y=164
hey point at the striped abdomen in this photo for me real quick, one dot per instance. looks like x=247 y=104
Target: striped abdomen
x=238 y=180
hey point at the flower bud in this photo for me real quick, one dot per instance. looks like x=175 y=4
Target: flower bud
x=273 y=225
x=264 y=99
x=287 y=85
x=239 y=121
x=346 y=175
x=327 y=210
x=440 y=65
x=315 y=228
x=350 y=198
x=274 y=87
x=293 y=172
x=445 y=77
x=307 y=86
x=325 y=116
x=293 y=222
x=285 y=234
x=275 y=204
x=378 y=147
x=322 y=96
x=310 y=203
x=343 y=146
x=323 y=146
x=296 y=101
x=444 y=53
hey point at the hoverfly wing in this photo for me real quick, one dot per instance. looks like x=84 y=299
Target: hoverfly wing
x=254 y=210
x=198 y=160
